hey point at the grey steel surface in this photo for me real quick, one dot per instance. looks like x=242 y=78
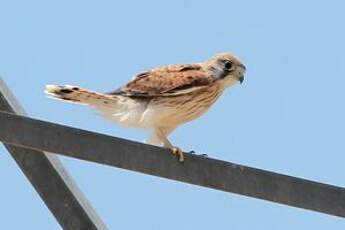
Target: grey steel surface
x=216 y=174
x=46 y=173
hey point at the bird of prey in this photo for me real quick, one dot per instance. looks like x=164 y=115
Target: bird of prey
x=161 y=99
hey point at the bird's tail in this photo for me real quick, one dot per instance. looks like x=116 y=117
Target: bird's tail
x=79 y=95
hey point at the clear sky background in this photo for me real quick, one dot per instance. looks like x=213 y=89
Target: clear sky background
x=288 y=117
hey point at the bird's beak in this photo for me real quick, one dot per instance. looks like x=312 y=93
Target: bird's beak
x=241 y=79
x=243 y=70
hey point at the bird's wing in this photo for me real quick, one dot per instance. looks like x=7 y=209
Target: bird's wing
x=171 y=80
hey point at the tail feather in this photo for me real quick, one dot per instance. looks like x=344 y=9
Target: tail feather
x=79 y=95
x=116 y=108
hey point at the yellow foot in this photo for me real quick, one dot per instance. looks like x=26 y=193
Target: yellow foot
x=178 y=153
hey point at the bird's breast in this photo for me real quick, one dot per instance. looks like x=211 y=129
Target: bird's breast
x=174 y=111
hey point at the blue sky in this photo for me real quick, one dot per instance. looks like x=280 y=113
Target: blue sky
x=288 y=117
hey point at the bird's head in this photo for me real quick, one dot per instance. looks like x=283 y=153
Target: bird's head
x=226 y=67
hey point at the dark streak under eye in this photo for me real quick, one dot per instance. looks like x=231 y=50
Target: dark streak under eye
x=75 y=88
x=224 y=74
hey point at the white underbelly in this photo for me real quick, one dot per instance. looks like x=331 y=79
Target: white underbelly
x=160 y=111
x=127 y=112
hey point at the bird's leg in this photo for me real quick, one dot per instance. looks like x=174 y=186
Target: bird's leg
x=166 y=143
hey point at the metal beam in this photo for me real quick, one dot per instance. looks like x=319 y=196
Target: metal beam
x=52 y=182
x=216 y=174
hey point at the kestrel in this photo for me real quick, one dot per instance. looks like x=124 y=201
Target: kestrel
x=161 y=99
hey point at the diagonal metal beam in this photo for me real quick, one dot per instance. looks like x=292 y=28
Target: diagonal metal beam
x=52 y=182
x=216 y=174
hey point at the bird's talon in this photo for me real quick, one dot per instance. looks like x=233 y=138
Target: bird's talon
x=178 y=153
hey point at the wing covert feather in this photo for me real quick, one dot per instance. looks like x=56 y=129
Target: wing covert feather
x=167 y=81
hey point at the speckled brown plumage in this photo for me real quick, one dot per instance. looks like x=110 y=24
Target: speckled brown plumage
x=163 y=98
x=166 y=81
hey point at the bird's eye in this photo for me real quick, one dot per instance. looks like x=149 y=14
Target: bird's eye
x=228 y=65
